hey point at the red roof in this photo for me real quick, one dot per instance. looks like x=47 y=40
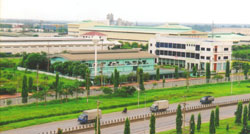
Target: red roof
x=94 y=33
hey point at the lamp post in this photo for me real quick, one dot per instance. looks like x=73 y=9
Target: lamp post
x=95 y=41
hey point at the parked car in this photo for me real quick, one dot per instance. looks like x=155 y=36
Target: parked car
x=207 y=100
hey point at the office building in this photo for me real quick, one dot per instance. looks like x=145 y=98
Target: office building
x=188 y=52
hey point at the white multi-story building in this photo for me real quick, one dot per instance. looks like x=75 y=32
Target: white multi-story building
x=189 y=52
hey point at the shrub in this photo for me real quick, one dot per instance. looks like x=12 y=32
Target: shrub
x=125 y=91
x=8 y=89
x=107 y=90
x=9 y=102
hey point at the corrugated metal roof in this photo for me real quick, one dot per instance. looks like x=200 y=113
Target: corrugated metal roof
x=111 y=55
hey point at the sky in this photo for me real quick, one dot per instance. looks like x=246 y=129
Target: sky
x=179 y=11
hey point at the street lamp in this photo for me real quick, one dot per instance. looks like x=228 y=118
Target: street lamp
x=95 y=41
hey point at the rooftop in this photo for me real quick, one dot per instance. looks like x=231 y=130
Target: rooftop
x=144 y=29
x=105 y=55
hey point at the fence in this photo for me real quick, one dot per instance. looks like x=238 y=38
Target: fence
x=145 y=116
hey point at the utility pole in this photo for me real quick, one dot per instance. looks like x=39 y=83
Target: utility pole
x=48 y=58
x=101 y=74
x=138 y=97
x=97 y=121
x=232 y=84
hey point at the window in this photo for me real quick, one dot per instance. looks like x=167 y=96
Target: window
x=197 y=56
x=157 y=44
x=157 y=52
x=192 y=55
x=170 y=45
x=178 y=45
x=174 y=45
x=219 y=58
x=202 y=57
x=161 y=52
x=188 y=55
x=178 y=54
x=174 y=53
x=208 y=58
x=170 y=53
x=166 y=45
x=161 y=44
x=208 y=49
x=225 y=57
x=197 y=47
x=151 y=51
x=183 y=46
x=225 y=49
x=151 y=44
x=165 y=52
x=202 y=49
x=182 y=54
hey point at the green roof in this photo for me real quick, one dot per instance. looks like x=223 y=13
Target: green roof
x=140 y=29
x=224 y=35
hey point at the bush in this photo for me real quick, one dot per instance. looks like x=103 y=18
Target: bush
x=8 y=89
x=7 y=63
x=9 y=102
x=125 y=91
x=107 y=90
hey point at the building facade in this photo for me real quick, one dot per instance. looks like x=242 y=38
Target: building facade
x=189 y=52
x=125 y=61
x=51 y=45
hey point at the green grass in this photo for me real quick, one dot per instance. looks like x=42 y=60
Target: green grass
x=18 y=76
x=233 y=128
x=32 y=114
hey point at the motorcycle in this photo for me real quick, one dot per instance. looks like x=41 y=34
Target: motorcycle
x=124 y=111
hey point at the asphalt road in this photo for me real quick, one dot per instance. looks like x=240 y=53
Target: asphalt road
x=163 y=122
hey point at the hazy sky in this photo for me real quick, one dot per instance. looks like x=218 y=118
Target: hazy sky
x=198 y=11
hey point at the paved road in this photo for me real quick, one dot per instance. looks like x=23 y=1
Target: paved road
x=73 y=122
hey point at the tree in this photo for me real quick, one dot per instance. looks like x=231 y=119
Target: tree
x=127 y=127
x=245 y=116
x=192 y=125
x=57 y=84
x=30 y=84
x=116 y=79
x=112 y=79
x=246 y=68
x=24 y=90
x=141 y=81
x=238 y=113
x=217 y=117
x=236 y=66
x=208 y=73
x=227 y=127
x=199 y=122
x=158 y=74
x=176 y=73
x=194 y=71
x=227 y=74
x=163 y=82
x=99 y=129
x=87 y=79
x=35 y=59
x=179 y=120
x=68 y=90
x=152 y=124
x=212 y=123
x=249 y=111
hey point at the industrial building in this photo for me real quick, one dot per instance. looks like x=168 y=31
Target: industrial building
x=51 y=45
x=125 y=61
x=188 y=52
x=139 y=34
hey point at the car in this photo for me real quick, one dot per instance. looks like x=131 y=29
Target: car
x=207 y=100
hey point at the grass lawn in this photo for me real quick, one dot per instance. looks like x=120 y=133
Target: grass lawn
x=32 y=114
x=233 y=128
x=17 y=77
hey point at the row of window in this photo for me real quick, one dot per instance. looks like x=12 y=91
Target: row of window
x=178 y=54
x=170 y=45
x=43 y=46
